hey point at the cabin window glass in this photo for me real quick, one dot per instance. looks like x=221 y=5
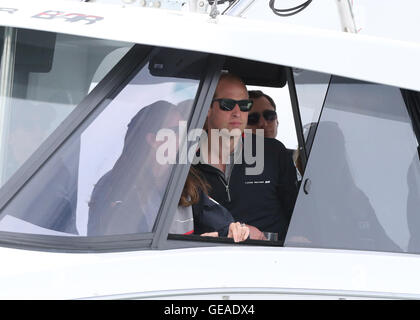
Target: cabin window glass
x=111 y=175
x=1 y=45
x=361 y=185
x=311 y=89
x=283 y=126
x=44 y=76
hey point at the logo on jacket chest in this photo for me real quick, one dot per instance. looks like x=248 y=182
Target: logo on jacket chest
x=257 y=182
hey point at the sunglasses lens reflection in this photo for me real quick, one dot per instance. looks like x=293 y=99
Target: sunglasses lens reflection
x=254 y=118
x=270 y=115
x=229 y=104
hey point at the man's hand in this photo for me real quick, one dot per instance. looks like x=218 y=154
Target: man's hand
x=255 y=233
x=238 y=231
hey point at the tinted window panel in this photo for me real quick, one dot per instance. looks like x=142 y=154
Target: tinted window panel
x=361 y=185
x=44 y=77
x=311 y=89
x=107 y=179
x=286 y=132
x=1 y=44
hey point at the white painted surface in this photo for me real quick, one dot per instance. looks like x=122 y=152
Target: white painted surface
x=41 y=275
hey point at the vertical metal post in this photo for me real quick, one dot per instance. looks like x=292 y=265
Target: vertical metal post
x=7 y=66
x=296 y=117
x=346 y=16
x=238 y=8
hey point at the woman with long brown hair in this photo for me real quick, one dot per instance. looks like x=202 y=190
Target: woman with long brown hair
x=199 y=214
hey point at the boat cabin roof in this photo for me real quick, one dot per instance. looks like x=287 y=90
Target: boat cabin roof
x=356 y=56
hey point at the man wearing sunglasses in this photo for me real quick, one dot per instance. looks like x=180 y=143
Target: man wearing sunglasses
x=263 y=114
x=263 y=201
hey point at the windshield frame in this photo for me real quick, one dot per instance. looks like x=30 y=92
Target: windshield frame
x=297 y=118
x=180 y=172
x=111 y=84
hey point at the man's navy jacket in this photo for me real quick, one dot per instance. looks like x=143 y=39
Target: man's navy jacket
x=265 y=201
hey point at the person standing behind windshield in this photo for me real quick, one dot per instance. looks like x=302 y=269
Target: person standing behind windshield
x=263 y=201
x=263 y=114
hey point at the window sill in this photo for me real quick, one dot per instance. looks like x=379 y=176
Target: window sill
x=199 y=238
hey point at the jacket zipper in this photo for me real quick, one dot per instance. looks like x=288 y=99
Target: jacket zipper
x=226 y=187
x=221 y=176
x=225 y=184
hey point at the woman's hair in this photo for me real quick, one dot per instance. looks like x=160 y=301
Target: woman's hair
x=193 y=185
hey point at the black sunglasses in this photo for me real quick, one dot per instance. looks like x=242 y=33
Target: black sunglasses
x=229 y=104
x=254 y=118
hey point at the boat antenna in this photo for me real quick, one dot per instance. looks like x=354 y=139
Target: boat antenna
x=290 y=11
x=345 y=9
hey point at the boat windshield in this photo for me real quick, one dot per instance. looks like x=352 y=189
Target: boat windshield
x=361 y=185
x=44 y=76
x=115 y=163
